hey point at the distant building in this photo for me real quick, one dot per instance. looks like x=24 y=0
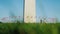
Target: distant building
x=52 y=20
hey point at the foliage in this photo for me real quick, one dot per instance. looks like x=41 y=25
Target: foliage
x=29 y=28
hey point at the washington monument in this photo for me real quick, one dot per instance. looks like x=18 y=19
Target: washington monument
x=29 y=11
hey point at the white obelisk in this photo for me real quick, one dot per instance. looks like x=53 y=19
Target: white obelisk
x=29 y=11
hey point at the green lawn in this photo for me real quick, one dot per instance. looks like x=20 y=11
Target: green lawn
x=29 y=28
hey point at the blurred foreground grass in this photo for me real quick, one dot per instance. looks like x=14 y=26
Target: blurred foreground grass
x=29 y=28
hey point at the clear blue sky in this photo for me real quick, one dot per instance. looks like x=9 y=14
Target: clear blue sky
x=47 y=8
x=11 y=8
x=7 y=6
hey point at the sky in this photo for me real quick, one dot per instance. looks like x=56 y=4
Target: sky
x=48 y=8
x=10 y=8
x=44 y=8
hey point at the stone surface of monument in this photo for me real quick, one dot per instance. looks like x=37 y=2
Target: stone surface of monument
x=29 y=11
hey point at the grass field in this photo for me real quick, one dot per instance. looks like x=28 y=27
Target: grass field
x=29 y=28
